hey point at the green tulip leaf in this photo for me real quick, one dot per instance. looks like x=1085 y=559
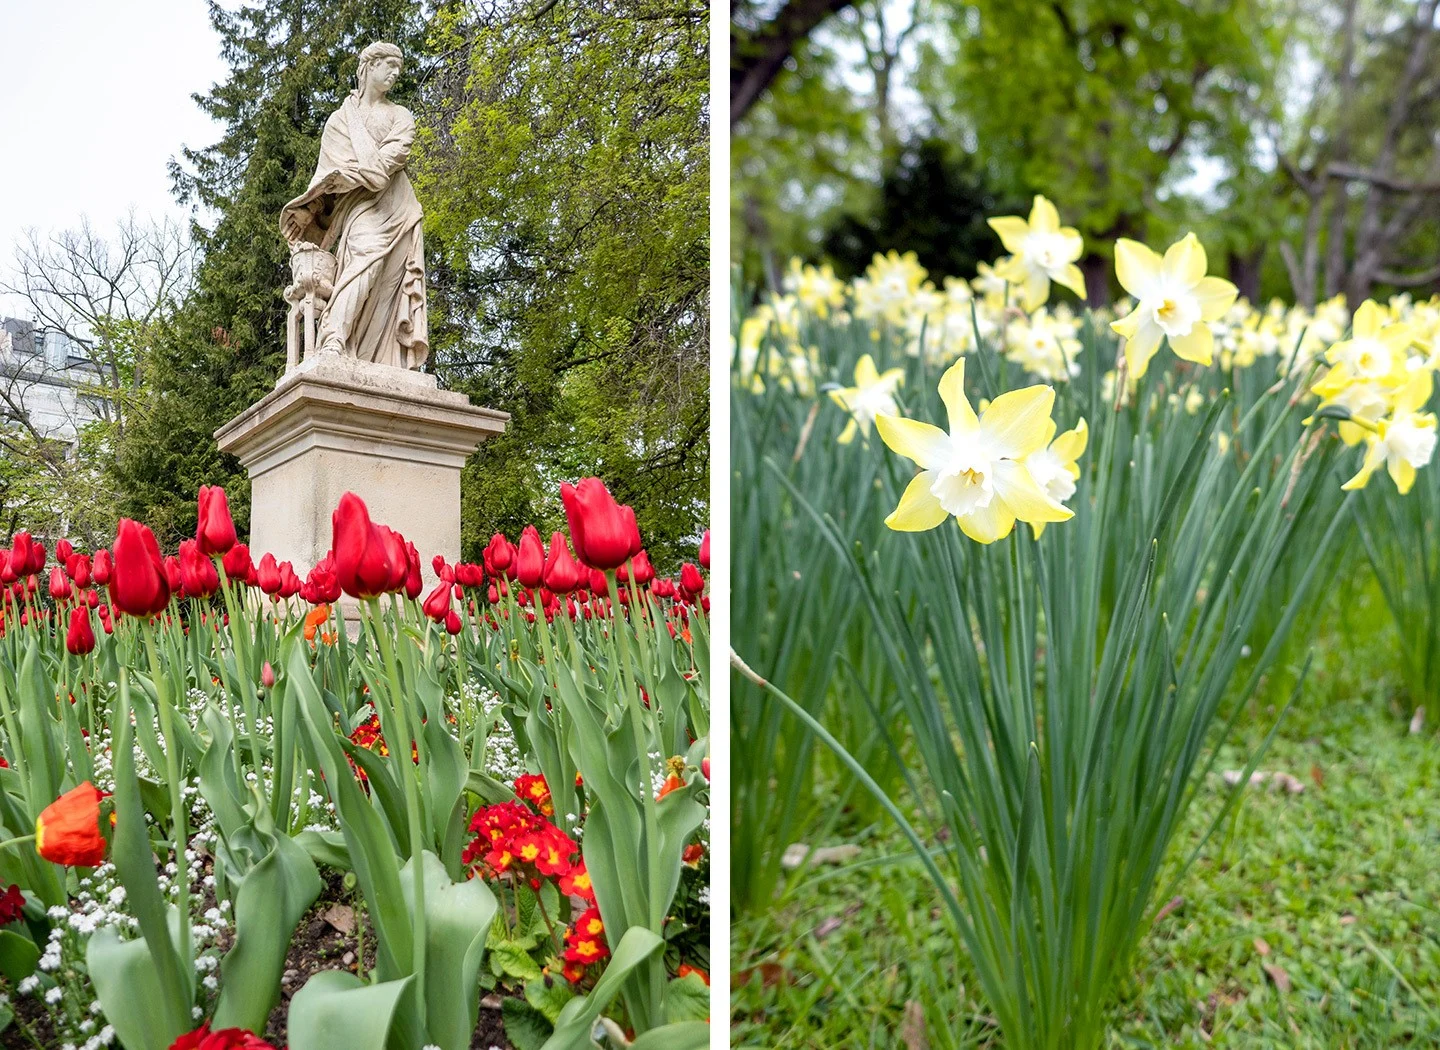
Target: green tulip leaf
x=577 y=1019
x=18 y=955
x=337 y=1011
x=687 y=1035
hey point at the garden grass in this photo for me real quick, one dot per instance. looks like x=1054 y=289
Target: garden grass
x=1336 y=890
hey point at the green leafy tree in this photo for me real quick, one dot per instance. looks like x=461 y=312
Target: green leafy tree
x=562 y=160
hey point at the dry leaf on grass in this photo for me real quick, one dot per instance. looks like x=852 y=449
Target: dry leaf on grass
x=1170 y=905
x=1262 y=946
x=1279 y=976
x=912 y=1029
x=799 y=854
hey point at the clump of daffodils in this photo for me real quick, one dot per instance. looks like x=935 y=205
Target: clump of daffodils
x=1383 y=390
x=979 y=471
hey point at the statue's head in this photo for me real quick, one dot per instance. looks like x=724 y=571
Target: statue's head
x=381 y=63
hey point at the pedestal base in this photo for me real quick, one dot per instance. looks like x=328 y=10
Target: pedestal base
x=334 y=425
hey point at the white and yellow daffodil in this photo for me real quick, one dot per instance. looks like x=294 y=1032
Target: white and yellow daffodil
x=872 y=395
x=977 y=471
x=1041 y=251
x=1055 y=467
x=1176 y=302
x=1376 y=349
x=890 y=281
x=1044 y=344
x=816 y=287
x=1405 y=441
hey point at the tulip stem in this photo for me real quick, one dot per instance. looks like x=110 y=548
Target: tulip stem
x=17 y=841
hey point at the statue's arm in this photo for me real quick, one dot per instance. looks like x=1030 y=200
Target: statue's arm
x=395 y=150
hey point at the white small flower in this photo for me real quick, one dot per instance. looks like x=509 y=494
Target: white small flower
x=54 y=995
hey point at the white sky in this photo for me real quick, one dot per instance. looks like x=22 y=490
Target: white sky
x=94 y=101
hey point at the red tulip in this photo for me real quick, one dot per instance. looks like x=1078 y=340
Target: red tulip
x=469 y=575
x=438 y=602
x=499 y=555
x=323 y=583
x=197 y=572
x=7 y=574
x=104 y=566
x=20 y=554
x=598 y=583
x=80 y=638
x=705 y=550
x=413 y=583
x=92 y=599
x=691 y=582
x=442 y=570
x=289 y=582
x=138 y=583
x=599 y=527
x=37 y=557
x=173 y=573
x=530 y=560
x=63 y=550
x=452 y=622
x=267 y=675
x=363 y=553
x=267 y=574
x=562 y=572
x=643 y=572
x=59 y=584
x=77 y=566
x=236 y=563
x=214 y=528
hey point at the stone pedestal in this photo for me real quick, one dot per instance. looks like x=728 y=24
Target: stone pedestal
x=334 y=425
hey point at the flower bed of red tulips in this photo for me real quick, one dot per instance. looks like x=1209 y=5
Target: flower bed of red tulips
x=543 y=836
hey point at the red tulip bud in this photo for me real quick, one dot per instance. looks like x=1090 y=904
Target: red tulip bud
x=104 y=566
x=452 y=622
x=267 y=675
x=499 y=554
x=437 y=605
x=214 y=529
x=413 y=583
x=599 y=527
x=691 y=582
x=562 y=572
x=236 y=563
x=138 y=583
x=363 y=554
x=80 y=639
x=267 y=574
x=530 y=560
x=59 y=584
x=197 y=572
x=705 y=551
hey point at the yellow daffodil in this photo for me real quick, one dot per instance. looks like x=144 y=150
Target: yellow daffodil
x=1405 y=441
x=977 y=471
x=816 y=287
x=872 y=395
x=1376 y=348
x=1044 y=344
x=1176 y=301
x=1055 y=468
x=888 y=285
x=988 y=283
x=1041 y=251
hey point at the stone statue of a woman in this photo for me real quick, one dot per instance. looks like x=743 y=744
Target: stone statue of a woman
x=361 y=208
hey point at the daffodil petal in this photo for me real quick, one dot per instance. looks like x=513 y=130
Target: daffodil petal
x=1015 y=423
x=848 y=434
x=1216 y=296
x=988 y=524
x=1070 y=445
x=1037 y=290
x=1043 y=216
x=1402 y=473
x=1415 y=393
x=1073 y=279
x=921 y=442
x=1023 y=496
x=1141 y=346
x=1198 y=346
x=1012 y=230
x=1368 y=321
x=1185 y=261
x=1373 y=456
x=952 y=391
x=918 y=509
x=865 y=371
x=1136 y=266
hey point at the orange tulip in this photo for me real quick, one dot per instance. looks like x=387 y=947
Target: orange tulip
x=68 y=830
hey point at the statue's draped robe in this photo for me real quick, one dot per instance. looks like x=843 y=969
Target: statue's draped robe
x=377 y=309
